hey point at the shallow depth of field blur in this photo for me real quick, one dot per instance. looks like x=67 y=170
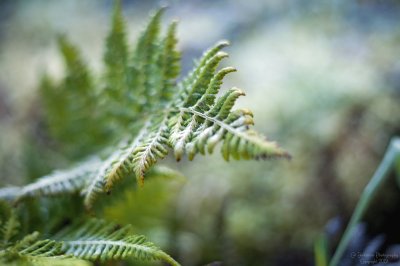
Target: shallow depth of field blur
x=322 y=78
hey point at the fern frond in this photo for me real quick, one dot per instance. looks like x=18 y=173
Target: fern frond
x=71 y=106
x=232 y=128
x=137 y=156
x=62 y=182
x=202 y=120
x=91 y=240
x=169 y=62
x=153 y=147
x=116 y=54
x=145 y=70
x=140 y=101
x=189 y=117
x=116 y=77
x=31 y=246
x=111 y=169
x=100 y=240
x=95 y=186
x=190 y=78
x=31 y=251
x=200 y=83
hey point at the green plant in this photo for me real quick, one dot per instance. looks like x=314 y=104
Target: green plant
x=129 y=118
x=389 y=162
x=90 y=240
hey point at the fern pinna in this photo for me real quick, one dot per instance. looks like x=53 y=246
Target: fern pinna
x=134 y=115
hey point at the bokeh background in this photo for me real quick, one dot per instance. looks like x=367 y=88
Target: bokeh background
x=322 y=78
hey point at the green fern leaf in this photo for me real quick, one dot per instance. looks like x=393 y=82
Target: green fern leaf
x=169 y=63
x=31 y=251
x=200 y=120
x=184 y=86
x=145 y=71
x=111 y=169
x=62 y=182
x=35 y=252
x=114 y=168
x=91 y=240
x=189 y=117
x=116 y=54
x=140 y=101
x=30 y=246
x=116 y=77
x=71 y=108
x=153 y=147
x=98 y=240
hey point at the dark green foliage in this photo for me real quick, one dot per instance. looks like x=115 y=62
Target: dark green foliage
x=29 y=250
x=141 y=101
x=71 y=108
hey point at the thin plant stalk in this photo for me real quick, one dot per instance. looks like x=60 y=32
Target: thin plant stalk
x=368 y=195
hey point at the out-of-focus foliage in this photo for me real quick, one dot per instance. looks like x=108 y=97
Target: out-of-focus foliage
x=325 y=73
x=29 y=250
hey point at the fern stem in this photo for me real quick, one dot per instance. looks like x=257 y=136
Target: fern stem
x=368 y=195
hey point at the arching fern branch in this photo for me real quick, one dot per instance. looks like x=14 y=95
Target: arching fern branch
x=140 y=96
x=100 y=240
x=86 y=179
x=73 y=180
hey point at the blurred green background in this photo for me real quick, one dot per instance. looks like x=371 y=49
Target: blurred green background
x=322 y=77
